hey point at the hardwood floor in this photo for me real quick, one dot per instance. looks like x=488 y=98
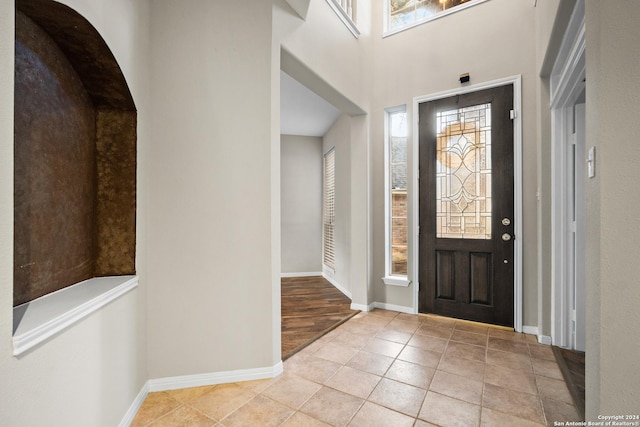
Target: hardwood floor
x=572 y=365
x=311 y=307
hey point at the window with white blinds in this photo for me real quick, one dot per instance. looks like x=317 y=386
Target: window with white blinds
x=329 y=210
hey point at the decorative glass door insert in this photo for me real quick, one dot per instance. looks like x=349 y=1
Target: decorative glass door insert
x=463 y=173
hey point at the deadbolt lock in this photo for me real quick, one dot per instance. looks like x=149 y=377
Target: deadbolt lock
x=506 y=237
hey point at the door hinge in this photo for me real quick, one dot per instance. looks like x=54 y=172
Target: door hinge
x=512 y=114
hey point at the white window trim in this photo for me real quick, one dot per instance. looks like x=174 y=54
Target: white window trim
x=36 y=321
x=344 y=17
x=518 y=215
x=459 y=8
x=391 y=279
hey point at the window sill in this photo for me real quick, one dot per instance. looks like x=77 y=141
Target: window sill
x=42 y=318
x=346 y=19
x=396 y=281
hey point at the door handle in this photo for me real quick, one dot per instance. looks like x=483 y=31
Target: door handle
x=506 y=237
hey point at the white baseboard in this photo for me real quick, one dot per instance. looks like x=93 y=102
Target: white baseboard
x=534 y=330
x=198 y=380
x=393 y=307
x=304 y=274
x=362 y=307
x=135 y=406
x=337 y=286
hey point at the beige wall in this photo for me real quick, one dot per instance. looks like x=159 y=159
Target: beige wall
x=94 y=369
x=492 y=40
x=613 y=227
x=301 y=203
x=210 y=175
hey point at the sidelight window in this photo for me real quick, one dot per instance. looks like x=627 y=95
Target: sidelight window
x=329 y=210
x=396 y=193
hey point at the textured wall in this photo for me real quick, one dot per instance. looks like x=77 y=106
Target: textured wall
x=54 y=243
x=75 y=161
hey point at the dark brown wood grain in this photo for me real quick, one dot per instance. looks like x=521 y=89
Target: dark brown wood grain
x=311 y=307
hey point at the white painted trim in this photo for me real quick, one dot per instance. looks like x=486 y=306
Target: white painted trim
x=338 y=286
x=393 y=307
x=308 y=274
x=567 y=83
x=516 y=81
x=534 y=330
x=42 y=318
x=363 y=307
x=212 y=378
x=423 y=21
x=344 y=17
x=396 y=281
x=135 y=406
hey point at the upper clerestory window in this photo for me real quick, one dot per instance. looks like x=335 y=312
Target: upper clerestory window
x=346 y=11
x=403 y=14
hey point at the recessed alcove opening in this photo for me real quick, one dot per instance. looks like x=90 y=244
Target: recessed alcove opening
x=74 y=154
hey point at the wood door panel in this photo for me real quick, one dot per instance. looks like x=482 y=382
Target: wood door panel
x=466 y=152
x=481 y=288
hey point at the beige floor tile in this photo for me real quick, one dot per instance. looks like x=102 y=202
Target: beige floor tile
x=547 y=368
x=313 y=368
x=332 y=406
x=507 y=335
x=302 y=420
x=554 y=389
x=421 y=423
x=428 y=342
x=349 y=339
x=410 y=318
x=184 y=416
x=559 y=411
x=514 y=379
x=443 y=322
x=512 y=402
x=420 y=356
x=447 y=411
x=491 y=418
x=353 y=382
x=398 y=396
x=257 y=386
x=384 y=313
x=372 y=415
x=410 y=373
x=373 y=320
x=154 y=406
x=292 y=390
x=434 y=331
x=402 y=326
x=463 y=367
x=336 y=352
x=394 y=335
x=383 y=347
x=508 y=345
x=222 y=400
x=259 y=411
x=372 y=363
x=469 y=338
x=509 y=360
x=457 y=387
x=531 y=339
x=466 y=351
x=472 y=327
x=185 y=395
x=540 y=351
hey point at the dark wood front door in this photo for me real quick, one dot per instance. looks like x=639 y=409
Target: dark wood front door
x=466 y=206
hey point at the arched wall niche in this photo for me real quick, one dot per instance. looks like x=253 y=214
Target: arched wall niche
x=74 y=154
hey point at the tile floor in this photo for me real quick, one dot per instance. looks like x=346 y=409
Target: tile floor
x=388 y=369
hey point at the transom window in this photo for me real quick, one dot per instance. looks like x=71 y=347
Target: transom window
x=402 y=14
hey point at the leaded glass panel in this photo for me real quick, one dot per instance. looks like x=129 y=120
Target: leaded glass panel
x=463 y=173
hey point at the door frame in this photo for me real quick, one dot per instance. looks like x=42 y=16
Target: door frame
x=567 y=83
x=414 y=226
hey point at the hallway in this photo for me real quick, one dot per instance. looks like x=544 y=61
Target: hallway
x=384 y=368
